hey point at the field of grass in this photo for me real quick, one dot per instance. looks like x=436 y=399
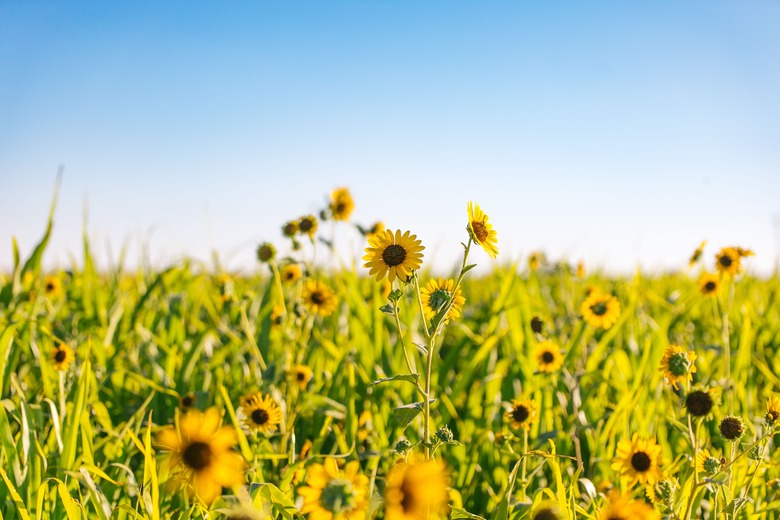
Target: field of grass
x=340 y=400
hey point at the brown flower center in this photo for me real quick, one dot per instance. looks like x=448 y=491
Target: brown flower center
x=537 y=324
x=520 y=413
x=710 y=286
x=300 y=376
x=725 y=261
x=480 y=231
x=50 y=287
x=731 y=428
x=599 y=308
x=317 y=297
x=640 y=461
x=545 y=514
x=548 y=357
x=260 y=417
x=197 y=455
x=60 y=356
x=394 y=255
x=305 y=225
x=699 y=403
x=407 y=502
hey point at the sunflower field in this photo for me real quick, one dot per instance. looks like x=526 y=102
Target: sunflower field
x=539 y=390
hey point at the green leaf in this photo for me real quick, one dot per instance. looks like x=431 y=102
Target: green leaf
x=18 y=502
x=405 y=414
x=468 y=268
x=395 y=295
x=457 y=512
x=387 y=309
x=412 y=378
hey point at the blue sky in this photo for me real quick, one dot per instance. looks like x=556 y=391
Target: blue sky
x=621 y=133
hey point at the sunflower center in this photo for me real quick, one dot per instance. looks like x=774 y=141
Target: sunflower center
x=394 y=255
x=699 y=403
x=260 y=416
x=599 y=308
x=480 y=231
x=725 y=261
x=50 y=287
x=711 y=465
x=300 y=376
x=340 y=207
x=317 y=297
x=197 y=455
x=439 y=299
x=640 y=461
x=305 y=225
x=337 y=496
x=60 y=356
x=732 y=428
x=545 y=514
x=772 y=416
x=537 y=324
x=520 y=413
x=710 y=286
x=548 y=357
x=188 y=401
x=679 y=364
x=407 y=503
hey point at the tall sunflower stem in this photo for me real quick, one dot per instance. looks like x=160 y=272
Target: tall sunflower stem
x=420 y=303
x=401 y=337
x=523 y=467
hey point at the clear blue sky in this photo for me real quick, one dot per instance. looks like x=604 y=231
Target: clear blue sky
x=616 y=132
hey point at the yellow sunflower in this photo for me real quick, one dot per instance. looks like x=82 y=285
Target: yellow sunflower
x=201 y=454
x=709 y=284
x=772 y=409
x=697 y=254
x=662 y=491
x=266 y=252
x=639 y=460
x=706 y=463
x=52 y=286
x=546 y=511
x=623 y=507
x=393 y=254
x=307 y=225
x=481 y=231
x=600 y=310
x=417 y=491
x=729 y=260
x=319 y=298
x=535 y=260
x=330 y=494
x=677 y=365
x=290 y=229
x=62 y=356
x=436 y=295
x=548 y=357
x=187 y=401
x=522 y=413
x=580 y=272
x=290 y=273
x=301 y=374
x=341 y=204
x=260 y=413
x=277 y=316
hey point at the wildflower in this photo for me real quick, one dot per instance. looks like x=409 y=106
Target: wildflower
x=319 y=298
x=546 y=512
x=701 y=401
x=415 y=490
x=301 y=374
x=772 y=409
x=307 y=225
x=729 y=260
x=697 y=254
x=62 y=356
x=622 y=507
x=709 y=284
x=522 y=413
x=266 y=252
x=662 y=491
x=341 y=204
x=393 y=254
x=330 y=493
x=290 y=273
x=201 y=454
x=639 y=460
x=52 y=286
x=706 y=463
x=600 y=310
x=436 y=295
x=535 y=260
x=548 y=357
x=677 y=365
x=731 y=428
x=290 y=229
x=481 y=230
x=580 y=273
x=277 y=316
x=260 y=413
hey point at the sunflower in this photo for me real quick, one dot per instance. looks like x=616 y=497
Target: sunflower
x=277 y=316
x=732 y=428
x=546 y=511
x=52 y=286
x=729 y=261
x=307 y=225
x=535 y=260
x=522 y=413
x=376 y=227
x=639 y=460
x=436 y=296
x=600 y=310
x=709 y=284
x=662 y=491
x=416 y=491
x=701 y=401
x=319 y=298
x=677 y=365
x=62 y=356
x=580 y=272
x=537 y=325
x=393 y=254
x=201 y=454
x=772 y=409
x=332 y=494
x=341 y=204
x=548 y=357
x=301 y=374
x=260 y=413
x=290 y=229
x=706 y=463
x=290 y=273
x=481 y=231
x=622 y=507
x=697 y=254
x=266 y=252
